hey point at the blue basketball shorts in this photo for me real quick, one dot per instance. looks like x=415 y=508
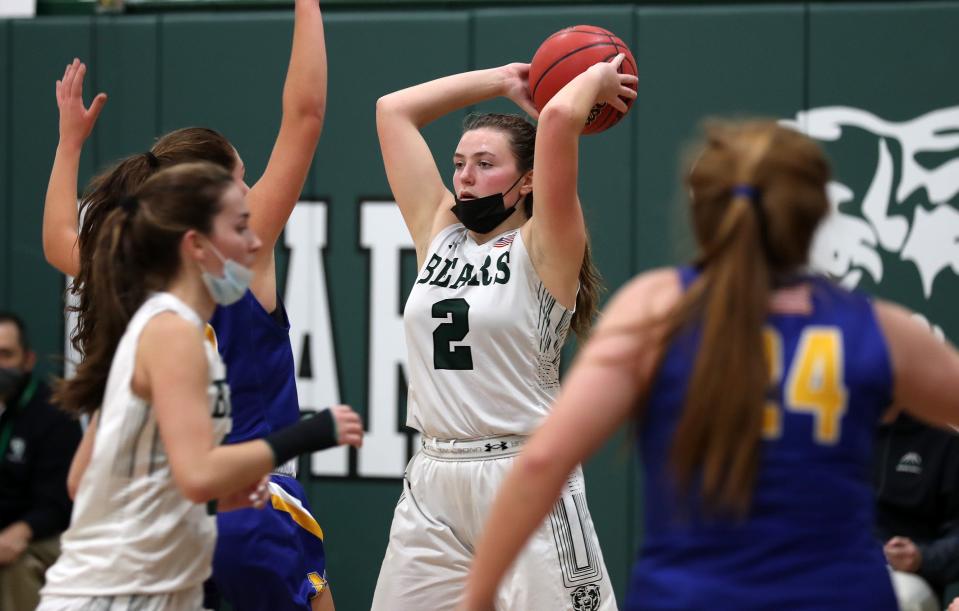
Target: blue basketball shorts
x=270 y=558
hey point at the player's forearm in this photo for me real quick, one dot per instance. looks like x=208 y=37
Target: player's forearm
x=223 y=470
x=304 y=92
x=60 y=221
x=219 y=471
x=574 y=101
x=424 y=103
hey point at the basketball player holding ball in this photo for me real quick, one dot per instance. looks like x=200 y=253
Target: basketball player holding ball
x=499 y=286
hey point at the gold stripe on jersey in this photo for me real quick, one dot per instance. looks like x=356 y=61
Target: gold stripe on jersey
x=210 y=335
x=282 y=501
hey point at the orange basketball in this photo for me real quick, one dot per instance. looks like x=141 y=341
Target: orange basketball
x=565 y=55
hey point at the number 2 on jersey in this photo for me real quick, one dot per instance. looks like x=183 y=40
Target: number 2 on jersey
x=455 y=329
x=814 y=384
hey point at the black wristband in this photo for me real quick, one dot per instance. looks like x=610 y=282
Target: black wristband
x=310 y=435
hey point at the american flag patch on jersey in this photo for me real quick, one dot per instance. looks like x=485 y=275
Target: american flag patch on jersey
x=506 y=240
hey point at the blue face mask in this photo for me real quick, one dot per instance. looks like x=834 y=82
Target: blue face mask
x=230 y=287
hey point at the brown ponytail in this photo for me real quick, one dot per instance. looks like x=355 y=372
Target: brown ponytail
x=758 y=193
x=106 y=190
x=587 y=299
x=136 y=253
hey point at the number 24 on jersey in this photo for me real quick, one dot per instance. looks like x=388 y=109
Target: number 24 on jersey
x=813 y=385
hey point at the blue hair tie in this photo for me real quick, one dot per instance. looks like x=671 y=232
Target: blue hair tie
x=755 y=201
x=745 y=190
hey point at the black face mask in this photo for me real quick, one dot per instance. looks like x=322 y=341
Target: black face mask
x=484 y=214
x=10 y=381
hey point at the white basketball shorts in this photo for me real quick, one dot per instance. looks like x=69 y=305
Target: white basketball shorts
x=447 y=492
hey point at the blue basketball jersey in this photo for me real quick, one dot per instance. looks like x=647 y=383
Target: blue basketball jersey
x=807 y=541
x=271 y=558
x=260 y=370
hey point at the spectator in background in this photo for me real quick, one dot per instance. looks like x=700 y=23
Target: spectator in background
x=917 y=482
x=37 y=442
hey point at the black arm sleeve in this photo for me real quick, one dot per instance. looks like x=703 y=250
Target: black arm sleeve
x=306 y=436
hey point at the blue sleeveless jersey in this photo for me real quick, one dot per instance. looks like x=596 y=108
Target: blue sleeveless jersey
x=260 y=370
x=264 y=558
x=807 y=542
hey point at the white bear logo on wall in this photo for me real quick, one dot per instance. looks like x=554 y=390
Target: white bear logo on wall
x=927 y=235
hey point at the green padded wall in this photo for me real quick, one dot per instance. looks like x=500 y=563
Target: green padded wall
x=39 y=53
x=125 y=65
x=225 y=71
x=880 y=75
x=697 y=62
x=875 y=82
x=6 y=209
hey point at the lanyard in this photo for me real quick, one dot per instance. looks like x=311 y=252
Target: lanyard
x=7 y=431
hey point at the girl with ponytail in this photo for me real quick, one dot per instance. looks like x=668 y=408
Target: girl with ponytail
x=501 y=284
x=283 y=568
x=756 y=388
x=140 y=536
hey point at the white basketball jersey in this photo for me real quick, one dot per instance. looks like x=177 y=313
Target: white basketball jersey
x=484 y=339
x=132 y=531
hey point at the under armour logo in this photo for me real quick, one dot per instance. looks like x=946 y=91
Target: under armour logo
x=499 y=446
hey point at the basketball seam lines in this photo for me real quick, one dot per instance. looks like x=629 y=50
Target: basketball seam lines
x=555 y=63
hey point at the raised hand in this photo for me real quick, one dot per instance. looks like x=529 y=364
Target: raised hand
x=517 y=87
x=615 y=88
x=76 y=120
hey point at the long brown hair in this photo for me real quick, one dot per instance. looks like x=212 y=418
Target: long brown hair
x=758 y=193
x=138 y=252
x=522 y=139
x=106 y=190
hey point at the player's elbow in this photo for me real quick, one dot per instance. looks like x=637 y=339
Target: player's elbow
x=311 y=125
x=560 y=115
x=386 y=105
x=385 y=109
x=58 y=252
x=535 y=463
x=305 y=117
x=308 y=110
x=50 y=249
x=195 y=487
x=391 y=108
x=543 y=464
